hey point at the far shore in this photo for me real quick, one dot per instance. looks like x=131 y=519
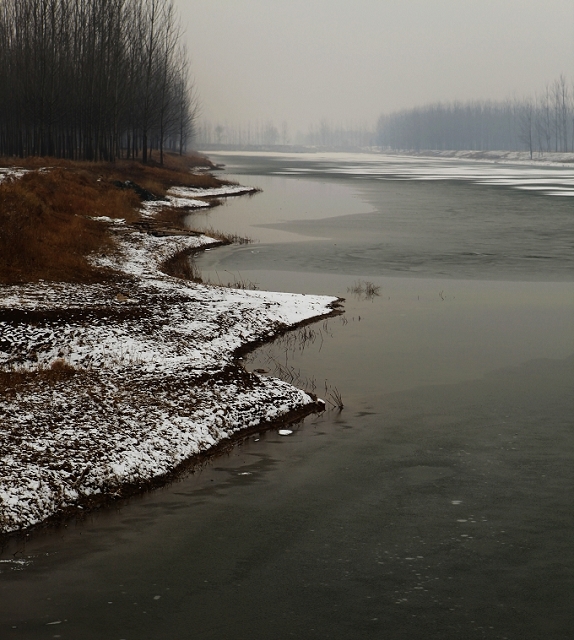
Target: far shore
x=521 y=157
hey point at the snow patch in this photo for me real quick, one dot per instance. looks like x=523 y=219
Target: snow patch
x=153 y=380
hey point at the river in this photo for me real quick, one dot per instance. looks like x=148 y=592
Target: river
x=438 y=503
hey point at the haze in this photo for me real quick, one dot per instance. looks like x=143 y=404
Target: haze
x=301 y=61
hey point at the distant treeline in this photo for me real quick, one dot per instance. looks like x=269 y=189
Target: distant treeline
x=540 y=124
x=92 y=79
x=267 y=134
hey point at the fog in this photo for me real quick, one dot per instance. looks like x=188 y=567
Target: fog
x=301 y=61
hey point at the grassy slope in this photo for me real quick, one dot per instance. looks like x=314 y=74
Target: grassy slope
x=46 y=230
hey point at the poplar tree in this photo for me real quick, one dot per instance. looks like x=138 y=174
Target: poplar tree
x=544 y=123
x=93 y=79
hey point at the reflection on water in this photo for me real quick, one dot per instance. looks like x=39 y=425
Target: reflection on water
x=436 y=505
x=422 y=331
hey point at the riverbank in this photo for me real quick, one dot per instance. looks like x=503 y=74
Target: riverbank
x=514 y=157
x=109 y=386
x=437 y=504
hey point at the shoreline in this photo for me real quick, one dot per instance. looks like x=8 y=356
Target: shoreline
x=559 y=158
x=121 y=384
x=89 y=504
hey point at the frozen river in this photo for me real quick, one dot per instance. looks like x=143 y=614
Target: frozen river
x=437 y=504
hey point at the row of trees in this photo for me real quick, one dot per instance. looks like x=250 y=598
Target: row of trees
x=93 y=79
x=543 y=123
x=348 y=136
x=242 y=135
x=267 y=134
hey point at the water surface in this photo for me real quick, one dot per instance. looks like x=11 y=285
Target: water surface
x=437 y=504
x=433 y=219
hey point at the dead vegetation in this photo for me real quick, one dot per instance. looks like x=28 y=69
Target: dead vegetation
x=45 y=216
x=14 y=380
x=186 y=171
x=364 y=289
x=280 y=355
x=47 y=232
x=222 y=236
x=183 y=266
x=236 y=282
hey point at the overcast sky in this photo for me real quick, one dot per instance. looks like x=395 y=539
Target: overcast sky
x=350 y=60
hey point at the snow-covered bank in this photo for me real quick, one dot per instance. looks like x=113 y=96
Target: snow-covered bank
x=514 y=157
x=120 y=383
x=11 y=172
x=188 y=197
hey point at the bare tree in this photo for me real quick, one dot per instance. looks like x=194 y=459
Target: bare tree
x=546 y=121
x=92 y=79
x=526 y=118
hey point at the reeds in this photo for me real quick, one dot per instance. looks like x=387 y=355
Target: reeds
x=278 y=357
x=334 y=398
x=223 y=236
x=182 y=265
x=59 y=370
x=237 y=281
x=364 y=289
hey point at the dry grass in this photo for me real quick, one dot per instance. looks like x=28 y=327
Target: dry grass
x=155 y=178
x=176 y=171
x=222 y=236
x=172 y=161
x=183 y=266
x=234 y=281
x=334 y=397
x=45 y=228
x=46 y=232
x=58 y=371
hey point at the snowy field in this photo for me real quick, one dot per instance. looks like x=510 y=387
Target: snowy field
x=148 y=374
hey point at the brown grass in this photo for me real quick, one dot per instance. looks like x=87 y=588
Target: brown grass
x=45 y=230
x=176 y=171
x=58 y=371
x=183 y=266
x=155 y=178
x=172 y=161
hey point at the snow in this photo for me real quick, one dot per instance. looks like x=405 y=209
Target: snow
x=216 y=192
x=522 y=157
x=108 y=219
x=187 y=197
x=11 y=172
x=154 y=380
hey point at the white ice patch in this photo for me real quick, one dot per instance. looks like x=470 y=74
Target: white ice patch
x=215 y=192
